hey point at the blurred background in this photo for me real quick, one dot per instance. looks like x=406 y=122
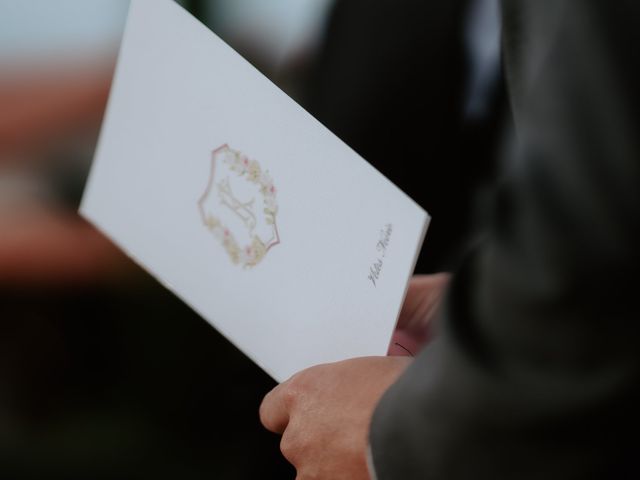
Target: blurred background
x=103 y=373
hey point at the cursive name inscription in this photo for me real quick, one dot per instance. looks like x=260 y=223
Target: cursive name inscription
x=375 y=270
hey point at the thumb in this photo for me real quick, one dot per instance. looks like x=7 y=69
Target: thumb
x=424 y=295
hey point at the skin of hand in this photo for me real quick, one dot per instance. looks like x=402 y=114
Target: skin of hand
x=424 y=296
x=324 y=412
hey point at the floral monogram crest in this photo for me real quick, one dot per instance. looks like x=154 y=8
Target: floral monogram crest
x=233 y=171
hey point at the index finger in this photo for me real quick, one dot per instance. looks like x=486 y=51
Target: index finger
x=274 y=410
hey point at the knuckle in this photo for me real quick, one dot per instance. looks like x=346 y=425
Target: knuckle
x=294 y=390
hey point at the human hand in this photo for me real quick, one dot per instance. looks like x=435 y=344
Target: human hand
x=324 y=412
x=420 y=307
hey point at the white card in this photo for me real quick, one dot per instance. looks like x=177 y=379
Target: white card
x=245 y=206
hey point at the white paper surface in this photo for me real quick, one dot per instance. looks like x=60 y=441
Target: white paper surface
x=195 y=145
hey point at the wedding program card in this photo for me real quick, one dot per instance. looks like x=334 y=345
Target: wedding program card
x=241 y=203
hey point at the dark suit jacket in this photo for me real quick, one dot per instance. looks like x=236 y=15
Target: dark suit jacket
x=536 y=372
x=390 y=81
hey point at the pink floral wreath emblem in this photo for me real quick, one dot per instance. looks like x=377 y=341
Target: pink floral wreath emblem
x=251 y=254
